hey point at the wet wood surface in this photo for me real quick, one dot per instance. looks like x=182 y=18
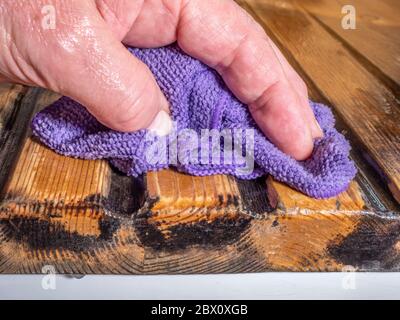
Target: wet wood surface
x=84 y=217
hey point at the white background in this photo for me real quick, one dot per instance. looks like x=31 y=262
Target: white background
x=239 y=286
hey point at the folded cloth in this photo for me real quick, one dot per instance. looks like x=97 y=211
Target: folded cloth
x=198 y=100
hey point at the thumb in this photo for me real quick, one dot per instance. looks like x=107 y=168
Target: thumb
x=117 y=88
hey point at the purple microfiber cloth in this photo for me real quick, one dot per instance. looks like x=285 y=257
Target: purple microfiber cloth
x=199 y=100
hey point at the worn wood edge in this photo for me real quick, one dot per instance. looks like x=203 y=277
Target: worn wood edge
x=322 y=241
x=353 y=200
x=181 y=200
x=310 y=242
x=251 y=7
x=45 y=186
x=266 y=250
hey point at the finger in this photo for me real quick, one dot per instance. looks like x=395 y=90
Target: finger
x=98 y=71
x=278 y=116
x=222 y=35
x=119 y=90
x=158 y=24
x=301 y=88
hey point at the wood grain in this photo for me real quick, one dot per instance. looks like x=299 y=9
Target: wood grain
x=12 y=117
x=9 y=94
x=184 y=199
x=378 y=23
x=302 y=234
x=187 y=210
x=48 y=187
x=367 y=107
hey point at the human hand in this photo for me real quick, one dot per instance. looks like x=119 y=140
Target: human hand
x=84 y=58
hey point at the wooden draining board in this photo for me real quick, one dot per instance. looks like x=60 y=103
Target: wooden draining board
x=84 y=217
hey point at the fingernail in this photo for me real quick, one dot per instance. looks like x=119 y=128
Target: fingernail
x=162 y=124
x=318 y=132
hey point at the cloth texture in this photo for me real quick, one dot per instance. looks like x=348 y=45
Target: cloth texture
x=198 y=100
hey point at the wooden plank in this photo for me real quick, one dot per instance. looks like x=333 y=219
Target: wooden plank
x=180 y=203
x=361 y=100
x=224 y=247
x=379 y=23
x=337 y=216
x=83 y=217
x=55 y=210
x=17 y=105
x=328 y=234
x=61 y=190
x=171 y=192
x=301 y=235
x=176 y=191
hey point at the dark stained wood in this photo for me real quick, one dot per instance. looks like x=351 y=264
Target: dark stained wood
x=17 y=105
x=12 y=118
x=84 y=217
